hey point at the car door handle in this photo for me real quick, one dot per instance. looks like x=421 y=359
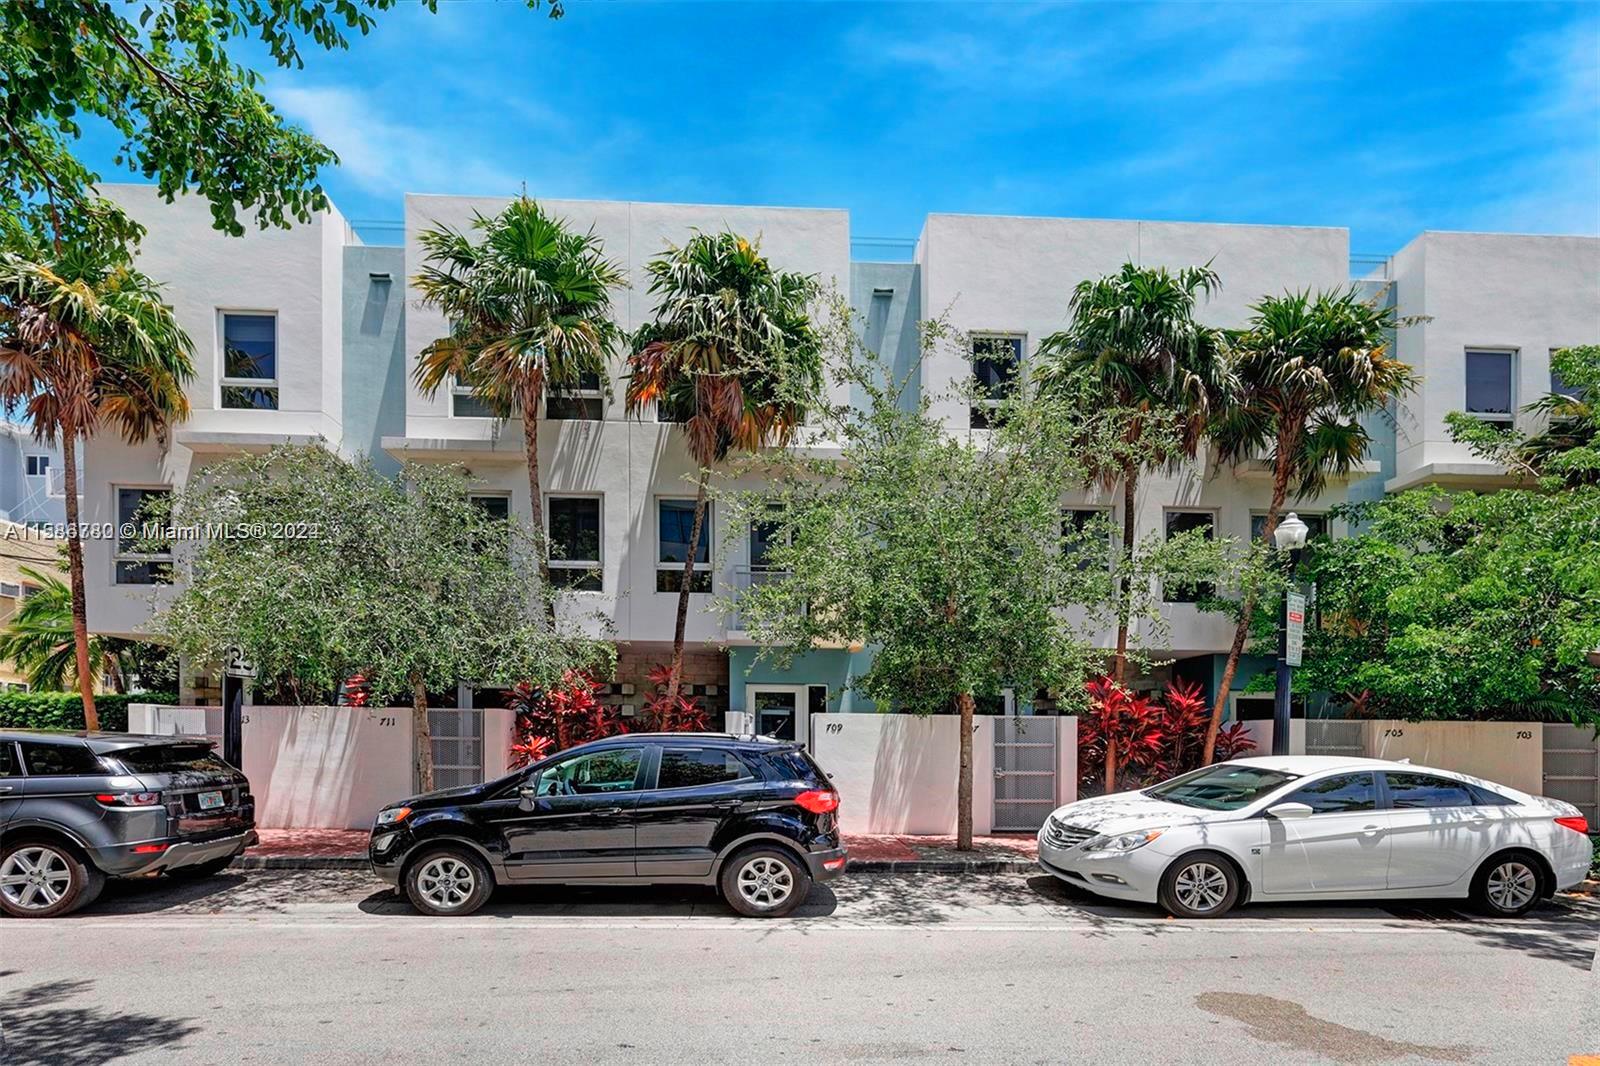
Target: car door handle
x=7 y=788
x=1372 y=830
x=729 y=805
x=606 y=812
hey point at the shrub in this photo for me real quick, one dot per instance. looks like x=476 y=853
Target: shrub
x=1154 y=739
x=64 y=710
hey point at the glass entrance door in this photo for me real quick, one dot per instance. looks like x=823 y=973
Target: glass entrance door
x=779 y=710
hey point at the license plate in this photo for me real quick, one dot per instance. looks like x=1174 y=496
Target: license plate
x=210 y=801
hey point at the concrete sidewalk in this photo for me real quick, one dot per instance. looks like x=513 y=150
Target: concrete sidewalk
x=334 y=849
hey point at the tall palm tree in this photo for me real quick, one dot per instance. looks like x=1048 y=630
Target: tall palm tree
x=730 y=350
x=1309 y=367
x=38 y=638
x=529 y=308
x=1134 y=338
x=86 y=344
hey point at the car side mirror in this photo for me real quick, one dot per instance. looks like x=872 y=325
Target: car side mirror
x=1291 y=810
x=525 y=797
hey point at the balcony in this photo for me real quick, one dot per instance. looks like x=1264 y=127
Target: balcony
x=746 y=578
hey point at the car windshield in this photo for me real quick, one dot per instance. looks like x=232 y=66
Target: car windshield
x=1224 y=787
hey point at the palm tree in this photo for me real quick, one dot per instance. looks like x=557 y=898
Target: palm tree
x=529 y=309
x=1308 y=368
x=86 y=343
x=731 y=351
x=38 y=638
x=1134 y=342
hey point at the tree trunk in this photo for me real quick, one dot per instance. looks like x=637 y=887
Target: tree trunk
x=530 y=442
x=1247 y=605
x=421 y=736
x=1111 y=765
x=1130 y=488
x=688 y=583
x=80 y=610
x=965 y=703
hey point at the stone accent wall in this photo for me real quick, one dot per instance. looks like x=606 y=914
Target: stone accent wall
x=705 y=674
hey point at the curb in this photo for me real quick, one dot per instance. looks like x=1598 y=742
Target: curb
x=856 y=866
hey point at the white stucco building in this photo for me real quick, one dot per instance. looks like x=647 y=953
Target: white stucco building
x=310 y=332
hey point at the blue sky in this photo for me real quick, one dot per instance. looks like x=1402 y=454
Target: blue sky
x=1387 y=119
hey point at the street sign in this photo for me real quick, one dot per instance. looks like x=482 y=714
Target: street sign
x=1295 y=628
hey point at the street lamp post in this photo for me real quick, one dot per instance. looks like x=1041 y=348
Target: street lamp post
x=1290 y=536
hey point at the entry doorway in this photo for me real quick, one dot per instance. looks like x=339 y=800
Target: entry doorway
x=779 y=710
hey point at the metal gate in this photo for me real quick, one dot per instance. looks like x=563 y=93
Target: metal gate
x=1572 y=767
x=457 y=746
x=1024 y=771
x=1335 y=736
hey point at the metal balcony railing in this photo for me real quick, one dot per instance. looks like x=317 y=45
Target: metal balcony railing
x=746 y=578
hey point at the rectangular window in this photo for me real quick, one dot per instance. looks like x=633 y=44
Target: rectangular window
x=136 y=563
x=497 y=507
x=1414 y=791
x=1316 y=525
x=1182 y=522
x=38 y=466
x=674 y=409
x=1085 y=529
x=699 y=767
x=585 y=403
x=675 y=529
x=996 y=360
x=465 y=404
x=574 y=542
x=250 y=361
x=1489 y=391
x=764 y=536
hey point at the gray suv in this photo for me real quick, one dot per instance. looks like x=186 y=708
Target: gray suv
x=76 y=808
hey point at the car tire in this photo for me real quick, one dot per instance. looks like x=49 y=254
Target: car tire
x=764 y=882
x=448 y=882
x=201 y=870
x=1203 y=884
x=65 y=875
x=1509 y=884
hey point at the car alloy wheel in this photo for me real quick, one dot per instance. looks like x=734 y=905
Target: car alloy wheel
x=765 y=882
x=1201 y=887
x=446 y=882
x=1511 y=885
x=35 y=878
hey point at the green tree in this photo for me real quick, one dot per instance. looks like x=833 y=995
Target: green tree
x=405 y=582
x=86 y=345
x=1462 y=606
x=1134 y=338
x=38 y=639
x=1308 y=369
x=529 y=310
x=1565 y=452
x=190 y=116
x=943 y=553
x=731 y=353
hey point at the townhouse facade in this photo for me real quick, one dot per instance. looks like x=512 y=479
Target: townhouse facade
x=312 y=333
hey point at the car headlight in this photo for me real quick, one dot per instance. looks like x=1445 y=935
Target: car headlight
x=393 y=815
x=1122 y=842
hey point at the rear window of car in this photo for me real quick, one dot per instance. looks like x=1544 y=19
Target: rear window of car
x=794 y=764
x=8 y=760
x=172 y=759
x=1414 y=791
x=691 y=767
x=58 y=760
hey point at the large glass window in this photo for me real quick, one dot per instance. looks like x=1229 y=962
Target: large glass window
x=1224 y=787
x=464 y=403
x=675 y=529
x=996 y=361
x=59 y=760
x=692 y=767
x=1347 y=792
x=250 y=361
x=138 y=560
x=1085 y=529
x=575 y=542
x=1182 y=522
x=595 y=773
x=586 y=402
x=1410 y=791
x=495 y=506
x=8 y=760
x=1489 y=391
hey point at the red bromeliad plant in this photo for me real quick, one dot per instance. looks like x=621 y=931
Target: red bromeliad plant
x=1232 y=742
x=669 y=711
x=1119 y=727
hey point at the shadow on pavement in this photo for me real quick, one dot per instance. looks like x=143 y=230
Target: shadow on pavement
x=603 y=901
x=225 y=891
x=39 y=1027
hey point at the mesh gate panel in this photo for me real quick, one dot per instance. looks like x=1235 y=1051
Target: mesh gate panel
x=1024 y=771
x=457 y=746
x=1334 y=736
x=1572 y=767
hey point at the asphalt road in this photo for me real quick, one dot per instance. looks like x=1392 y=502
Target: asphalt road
x=328 y=967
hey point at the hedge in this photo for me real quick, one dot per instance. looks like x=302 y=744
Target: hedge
x=64 y=710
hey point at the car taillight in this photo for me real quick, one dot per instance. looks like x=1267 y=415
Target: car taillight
x=818 y=801
x=130 y=799
x=1577 y=823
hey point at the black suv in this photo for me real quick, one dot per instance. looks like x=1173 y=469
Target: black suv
x=76 y=808
x=751 y=815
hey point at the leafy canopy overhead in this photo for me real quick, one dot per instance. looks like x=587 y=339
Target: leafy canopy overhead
x=1462 y=606
x=189 y=116
x=1566 y=450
